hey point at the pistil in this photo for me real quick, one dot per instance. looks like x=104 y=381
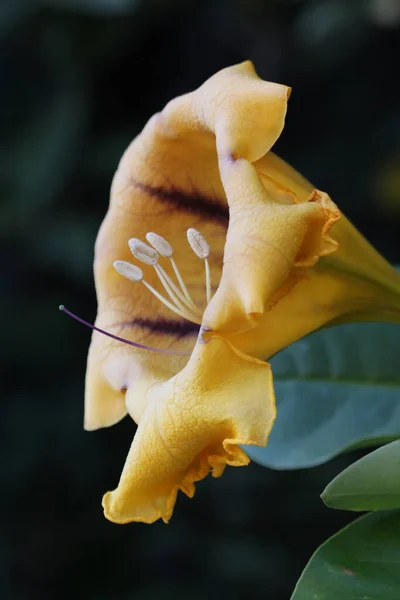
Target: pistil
x=181 y=301
x=121 y=339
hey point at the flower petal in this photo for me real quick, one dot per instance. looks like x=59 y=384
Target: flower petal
x=167 y=182
x=104 y=403
x=321 y=298
x=364 y=285
x=271 y=234
x=193 y=424
x=355 y=255
x=245 y=113
x=117 y=380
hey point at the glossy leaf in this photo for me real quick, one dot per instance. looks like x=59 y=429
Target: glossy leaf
x=336 y=389
x=361 y=562
x=372 y=483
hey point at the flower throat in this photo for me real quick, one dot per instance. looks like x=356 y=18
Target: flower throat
x=180 y=301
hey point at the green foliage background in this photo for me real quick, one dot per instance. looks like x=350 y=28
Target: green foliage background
x=78 y=80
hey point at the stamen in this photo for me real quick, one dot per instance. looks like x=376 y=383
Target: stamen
x=208 y=280
x=175 y=309
x=134 y=273
x=189 y=303
x=181 y=282
x=201 y=248
x=128 y=270
x=182 y=303
x=143 y=252
x=116 y=337
x=150 y=256
x=164 y=248
x=198 y=243
x=174 y=293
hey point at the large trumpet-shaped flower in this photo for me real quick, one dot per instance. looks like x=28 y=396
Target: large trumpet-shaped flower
x=274 y=261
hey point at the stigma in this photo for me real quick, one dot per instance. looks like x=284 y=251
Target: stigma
x=177 y=298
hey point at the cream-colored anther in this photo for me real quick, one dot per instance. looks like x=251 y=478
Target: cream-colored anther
x=198 y=243
x=131 y=272
x=163 y=247
x=134 y=273
x=201 y=248
x=182 y=303
x=143 y=252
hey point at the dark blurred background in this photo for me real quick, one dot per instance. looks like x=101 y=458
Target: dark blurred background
x=79 y=78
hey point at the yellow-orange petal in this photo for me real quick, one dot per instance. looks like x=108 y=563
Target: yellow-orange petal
x=167 y=182
x=364 y=285
x=192 y=424
x=118 y=378
x=270 y=234
x=104 y=399
x=273 y=167
x=245 y=113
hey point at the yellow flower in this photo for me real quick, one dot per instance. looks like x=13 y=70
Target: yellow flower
x=282 y=262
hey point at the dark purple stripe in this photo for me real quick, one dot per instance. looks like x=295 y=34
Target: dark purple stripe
x=194 y=202
x=161 y=326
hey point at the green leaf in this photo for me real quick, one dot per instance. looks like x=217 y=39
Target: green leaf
x=361 y=562
x=337 y=389
x=372 y=483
